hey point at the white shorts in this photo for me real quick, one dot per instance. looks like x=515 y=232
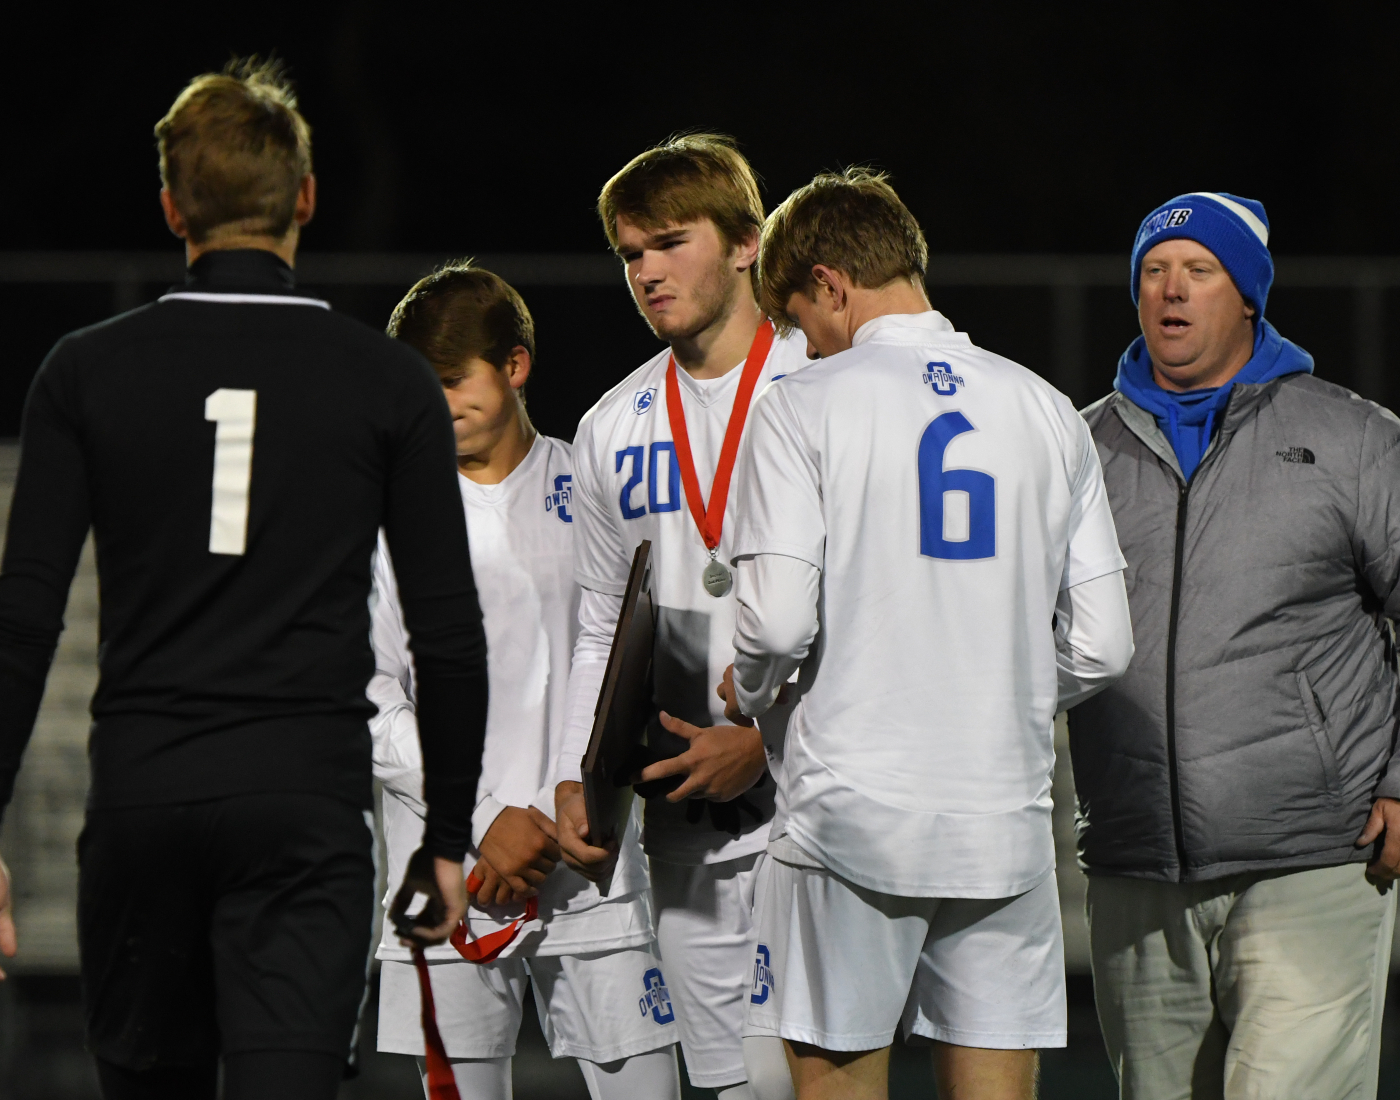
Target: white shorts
x=840 y=966
x=600 y=1007
x=706 y=936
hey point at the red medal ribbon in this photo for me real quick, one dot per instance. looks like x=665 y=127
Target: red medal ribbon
x=441 y=1084
x=489 y=946
x=710 y=519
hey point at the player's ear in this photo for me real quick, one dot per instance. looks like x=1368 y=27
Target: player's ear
x=518 y=366
x=829 y=289
x=306 y=199
x=746 y=253
x=173 y=217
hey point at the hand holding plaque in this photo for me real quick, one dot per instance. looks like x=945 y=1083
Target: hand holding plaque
x=620 y=722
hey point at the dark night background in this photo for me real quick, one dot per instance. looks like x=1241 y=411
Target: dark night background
x=479 y=129
x=452 y=130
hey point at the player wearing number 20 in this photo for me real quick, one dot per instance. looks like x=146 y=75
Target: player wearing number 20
x=913 y=514
x=235 y=448
x=653 y=460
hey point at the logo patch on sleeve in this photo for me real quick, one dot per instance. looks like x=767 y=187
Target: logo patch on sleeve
x=657 y=998
x=643 y=400
x=762 y=975
x=558 y=501
x=1297 y=454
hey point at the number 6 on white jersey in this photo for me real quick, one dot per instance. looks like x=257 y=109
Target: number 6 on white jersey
x=233 y=411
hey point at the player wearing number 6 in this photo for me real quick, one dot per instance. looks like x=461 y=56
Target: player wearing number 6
x=235 y=448
x=914 y=513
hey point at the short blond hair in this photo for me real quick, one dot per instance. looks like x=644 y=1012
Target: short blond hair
x=234 y=150
x=687 y=177
x=850 y=221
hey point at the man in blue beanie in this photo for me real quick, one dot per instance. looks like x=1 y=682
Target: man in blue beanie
x=1237 y=802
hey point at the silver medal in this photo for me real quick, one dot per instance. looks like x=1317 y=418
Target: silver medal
x=716 y=579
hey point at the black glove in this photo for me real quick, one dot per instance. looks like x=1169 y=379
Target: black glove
x=724 y=816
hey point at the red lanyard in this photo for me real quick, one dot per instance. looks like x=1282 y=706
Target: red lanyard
x=710 y=519
x=485 y=949
x=441 y=1083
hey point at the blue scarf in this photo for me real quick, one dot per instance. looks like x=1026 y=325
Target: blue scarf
x=1187 y=419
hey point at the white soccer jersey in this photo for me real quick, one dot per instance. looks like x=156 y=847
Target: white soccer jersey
x=627 y=487
x=521 y=535
x=948 y=496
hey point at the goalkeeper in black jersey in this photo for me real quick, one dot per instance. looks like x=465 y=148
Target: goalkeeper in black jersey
x=235 y=448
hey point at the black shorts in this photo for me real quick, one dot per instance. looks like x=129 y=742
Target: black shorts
x=239 y=924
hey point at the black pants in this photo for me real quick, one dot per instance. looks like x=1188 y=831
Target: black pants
x=235 y=927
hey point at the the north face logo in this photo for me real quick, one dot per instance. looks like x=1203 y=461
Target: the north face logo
x=1297 y=454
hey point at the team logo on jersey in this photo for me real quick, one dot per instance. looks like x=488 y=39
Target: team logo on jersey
x=558 y=501
x=656 y=999
x=941 y=377
x=762 y=975
x=643 y=400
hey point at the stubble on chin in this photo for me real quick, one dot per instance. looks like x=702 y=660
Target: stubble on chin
x=713 y=298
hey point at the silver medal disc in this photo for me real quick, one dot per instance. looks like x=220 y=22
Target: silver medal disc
x=716 y=578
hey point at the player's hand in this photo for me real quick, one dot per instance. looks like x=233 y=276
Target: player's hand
x=731 y=699
x=571 y=820
x=439 y=880
x=488 y=888
x=1384 y=821
x=9 y=943
x=520 y=845
x=721 y=763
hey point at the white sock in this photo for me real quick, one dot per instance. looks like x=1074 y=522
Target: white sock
x=766 y=1062
x=654 y=1075
x=477 y=1078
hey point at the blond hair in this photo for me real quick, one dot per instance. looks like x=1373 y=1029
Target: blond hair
x=850 y=221
x=688 y=177
x=234 y=150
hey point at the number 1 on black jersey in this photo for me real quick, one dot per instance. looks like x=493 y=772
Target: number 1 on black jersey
x=233 y=411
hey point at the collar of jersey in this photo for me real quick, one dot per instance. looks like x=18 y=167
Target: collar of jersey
x=239 y=276
x=234 y=298
x=906 y=328
x=495 y=494
x=706 y=391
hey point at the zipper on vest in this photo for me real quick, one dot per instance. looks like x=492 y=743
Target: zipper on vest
x=1177 y=833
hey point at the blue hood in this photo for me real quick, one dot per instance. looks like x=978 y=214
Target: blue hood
x=1187 y=419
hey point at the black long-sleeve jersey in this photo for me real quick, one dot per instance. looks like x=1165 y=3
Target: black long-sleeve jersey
x=235 y=449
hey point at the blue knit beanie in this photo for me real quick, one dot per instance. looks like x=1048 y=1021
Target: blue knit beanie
x=1235 y=229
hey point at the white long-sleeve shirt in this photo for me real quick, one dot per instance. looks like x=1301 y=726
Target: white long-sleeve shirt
x=935 y=500
x=777 y=624
x=521 y=536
